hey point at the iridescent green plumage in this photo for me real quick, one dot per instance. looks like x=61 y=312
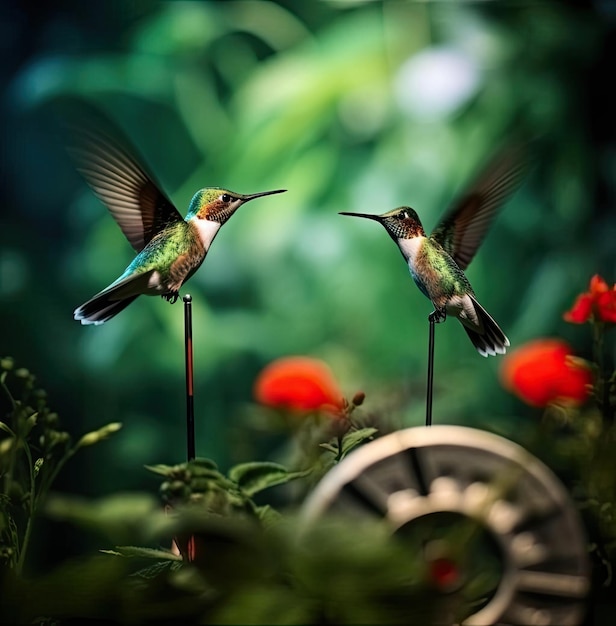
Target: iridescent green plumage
x=170 y=248
x=436 y=263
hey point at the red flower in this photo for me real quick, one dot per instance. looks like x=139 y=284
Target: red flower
x=298 y=383
x=542 y=372
x=599 y=304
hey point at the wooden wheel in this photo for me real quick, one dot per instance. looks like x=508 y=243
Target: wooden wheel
x=425 y=482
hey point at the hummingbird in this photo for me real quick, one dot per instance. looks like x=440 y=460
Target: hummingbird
x=169 y=248
x=437 y=262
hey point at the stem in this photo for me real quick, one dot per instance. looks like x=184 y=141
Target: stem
x=57 y=468
x=31 y=508
x=25 y=542
x=44 y=487
x=603 y=376
x=339 y=437
x=8 y=393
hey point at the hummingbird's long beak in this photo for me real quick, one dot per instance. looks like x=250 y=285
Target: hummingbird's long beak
x=376 y=218
x=252 y=196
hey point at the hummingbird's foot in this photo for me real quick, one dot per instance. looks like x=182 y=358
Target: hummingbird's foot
x=437 y=316
x=171 y=297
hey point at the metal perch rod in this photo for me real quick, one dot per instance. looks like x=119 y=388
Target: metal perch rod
x=430 y=373
x=190 y=400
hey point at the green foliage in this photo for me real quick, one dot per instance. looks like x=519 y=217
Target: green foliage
x=240 y=573
x=33 y=450
x=342 y=446
x=199 y=483
x=251 y=478
x=240 y=561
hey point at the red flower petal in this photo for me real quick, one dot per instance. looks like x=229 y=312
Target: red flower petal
x=606 y=306
x=298 y=383
x=597 y=285
x=599 y=303
x=540 y=373
x=581 y=310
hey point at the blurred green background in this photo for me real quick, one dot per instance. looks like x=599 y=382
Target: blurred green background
x=359 y=106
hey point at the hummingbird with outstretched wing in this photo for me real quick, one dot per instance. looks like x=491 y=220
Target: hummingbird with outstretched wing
x=437 y=262
x=169 y=248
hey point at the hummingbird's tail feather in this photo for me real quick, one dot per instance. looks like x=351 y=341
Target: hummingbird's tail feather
x=115 y=298
x=100 y=309
x=491 y=340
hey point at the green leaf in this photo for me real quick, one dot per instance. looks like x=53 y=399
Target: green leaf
x=357 y=437
x=122 y=517
x=157 y=569
x=201 y=464
x=163 y=470
x=254 y=477
x=143 y=553
x=6 y=429
x=267 y=514
x=329 y=447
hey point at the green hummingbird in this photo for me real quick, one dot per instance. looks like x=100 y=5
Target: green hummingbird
x=169 y=248
x=437 y=262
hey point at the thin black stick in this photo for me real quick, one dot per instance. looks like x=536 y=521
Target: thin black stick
x=430 y=373
x=190 y=401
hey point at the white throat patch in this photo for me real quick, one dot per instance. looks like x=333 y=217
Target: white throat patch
x=207 y=230
x=410 y=247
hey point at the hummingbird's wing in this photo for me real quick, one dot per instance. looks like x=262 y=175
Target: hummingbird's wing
x=463 y=227
x=107 y=161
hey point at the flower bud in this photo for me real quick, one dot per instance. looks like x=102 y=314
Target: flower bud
x=98 y=435
x=358 y=398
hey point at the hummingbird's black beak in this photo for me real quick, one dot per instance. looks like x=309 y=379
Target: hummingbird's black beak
x=252 y=196
x=376 y=218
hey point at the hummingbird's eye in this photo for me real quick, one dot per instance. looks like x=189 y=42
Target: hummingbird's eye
x=225 y=197
x=403 y=215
